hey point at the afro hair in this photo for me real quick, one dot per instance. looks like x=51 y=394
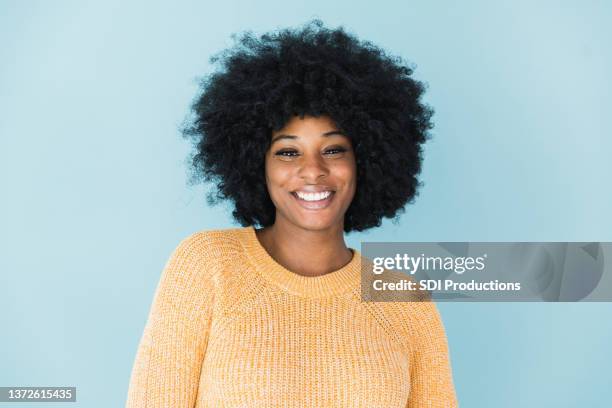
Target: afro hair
x=262 y=82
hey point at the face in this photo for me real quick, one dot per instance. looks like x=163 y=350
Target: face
x=311 y=173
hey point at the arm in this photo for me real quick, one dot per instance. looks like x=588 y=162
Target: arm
x=167 y=366
x=431 y=379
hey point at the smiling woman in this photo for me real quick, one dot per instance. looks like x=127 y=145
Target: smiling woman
x=311 y=179
x=310 y=133
x=312 y=195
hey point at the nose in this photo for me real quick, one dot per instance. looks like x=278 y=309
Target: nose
x=312 y=168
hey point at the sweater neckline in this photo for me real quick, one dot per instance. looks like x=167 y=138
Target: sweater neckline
x=332 y=283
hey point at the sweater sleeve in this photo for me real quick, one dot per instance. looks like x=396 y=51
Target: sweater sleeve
x=430 y=370
x=168 y=360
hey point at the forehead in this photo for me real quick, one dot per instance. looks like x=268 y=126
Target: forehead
x=308 y=125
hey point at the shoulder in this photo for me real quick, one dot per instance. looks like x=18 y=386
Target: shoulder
x=413 y=323
x=199 y=258
x=203 y=252
x=209 y=245
x=420 y=326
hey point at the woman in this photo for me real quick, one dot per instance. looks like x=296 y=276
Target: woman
x=310 y=133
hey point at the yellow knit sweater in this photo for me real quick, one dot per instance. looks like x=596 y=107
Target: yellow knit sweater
x=230 y=327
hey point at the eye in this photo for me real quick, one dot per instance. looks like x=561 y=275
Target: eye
x=335 y=150
x=286 y=153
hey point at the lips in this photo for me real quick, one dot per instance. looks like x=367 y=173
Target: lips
x=313 y=196
x=314 y=200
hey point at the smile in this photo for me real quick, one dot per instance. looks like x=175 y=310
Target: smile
x=314 y=201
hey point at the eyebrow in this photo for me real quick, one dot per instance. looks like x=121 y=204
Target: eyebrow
x=326 y=134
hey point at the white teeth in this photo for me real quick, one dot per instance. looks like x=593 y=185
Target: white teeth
x=313 y=196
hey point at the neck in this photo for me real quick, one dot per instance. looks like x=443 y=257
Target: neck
x=306 y=252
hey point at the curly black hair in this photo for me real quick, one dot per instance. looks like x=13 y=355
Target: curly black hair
x=262 y=82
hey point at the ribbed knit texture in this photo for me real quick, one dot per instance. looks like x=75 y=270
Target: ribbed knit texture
x=230 y=327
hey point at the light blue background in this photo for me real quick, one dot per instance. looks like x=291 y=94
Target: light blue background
x=94 y=193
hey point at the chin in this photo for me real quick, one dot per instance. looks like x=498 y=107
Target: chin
x=315 y=224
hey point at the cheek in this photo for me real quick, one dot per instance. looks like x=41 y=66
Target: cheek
x=347 y=173
x=277 y=175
